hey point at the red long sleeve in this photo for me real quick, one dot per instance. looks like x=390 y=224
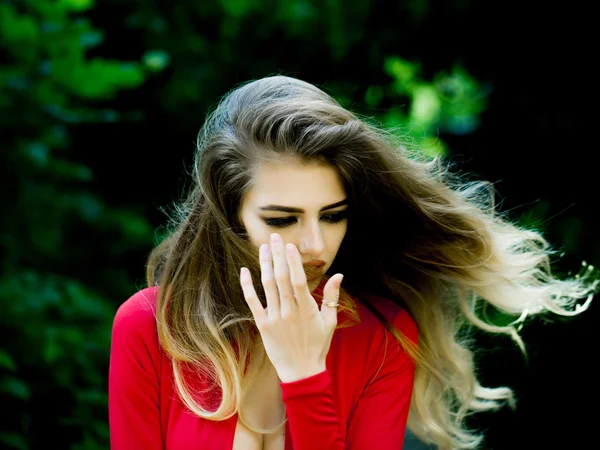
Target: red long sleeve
x=133 y=381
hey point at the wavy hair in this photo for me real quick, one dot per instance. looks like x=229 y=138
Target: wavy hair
x=434 y=242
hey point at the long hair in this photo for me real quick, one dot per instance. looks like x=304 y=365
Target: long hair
x=416 y=234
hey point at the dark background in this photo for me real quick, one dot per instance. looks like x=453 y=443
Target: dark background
x=100 y=104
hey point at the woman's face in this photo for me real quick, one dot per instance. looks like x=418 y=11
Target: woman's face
x=305 y=203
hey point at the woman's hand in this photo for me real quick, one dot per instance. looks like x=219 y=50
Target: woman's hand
x=295 y=333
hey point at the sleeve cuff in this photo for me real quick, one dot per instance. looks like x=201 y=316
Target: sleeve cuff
x=315 y=384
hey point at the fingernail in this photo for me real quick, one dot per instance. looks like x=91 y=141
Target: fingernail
x=340 y=281
x=275 y=238
x=264 y=250
x=290 y=249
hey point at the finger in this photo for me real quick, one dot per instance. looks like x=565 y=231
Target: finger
x=251 y=298
x=267 y=278
x=298 y=277
x=331 y=296
x=287 y=303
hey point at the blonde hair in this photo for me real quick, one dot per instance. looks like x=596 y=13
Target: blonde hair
x=435 y=244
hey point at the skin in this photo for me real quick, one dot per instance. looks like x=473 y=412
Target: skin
x=296 y=334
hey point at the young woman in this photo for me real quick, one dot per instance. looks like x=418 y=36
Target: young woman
x=245 y=337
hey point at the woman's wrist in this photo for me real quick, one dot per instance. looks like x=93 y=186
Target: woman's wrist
x=289 y=376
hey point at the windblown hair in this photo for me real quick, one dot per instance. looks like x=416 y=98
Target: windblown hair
x=433 y=242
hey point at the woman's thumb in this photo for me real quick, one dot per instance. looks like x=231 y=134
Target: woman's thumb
x=331 y=297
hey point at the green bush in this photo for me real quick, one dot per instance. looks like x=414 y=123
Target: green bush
x=53 y=307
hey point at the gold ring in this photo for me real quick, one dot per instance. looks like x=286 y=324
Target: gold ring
x=331 y=304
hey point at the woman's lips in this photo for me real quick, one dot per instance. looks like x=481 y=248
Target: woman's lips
x=316 y=263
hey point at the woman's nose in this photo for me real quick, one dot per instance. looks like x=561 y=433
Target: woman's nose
x=312 y=242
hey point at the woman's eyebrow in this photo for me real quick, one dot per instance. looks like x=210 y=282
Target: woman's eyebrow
x=290 y=209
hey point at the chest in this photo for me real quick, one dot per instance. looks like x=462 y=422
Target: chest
x=262 y=409
x=245 y=439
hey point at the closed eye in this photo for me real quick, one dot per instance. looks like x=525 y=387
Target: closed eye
x=282 y=222
x=335 y=217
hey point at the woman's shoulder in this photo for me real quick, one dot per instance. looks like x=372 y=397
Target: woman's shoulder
x=137 y=315
x=136 y=356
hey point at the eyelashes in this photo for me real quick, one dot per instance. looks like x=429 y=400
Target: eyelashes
x=282 y=222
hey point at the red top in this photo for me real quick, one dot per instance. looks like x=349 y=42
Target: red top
x=357 y=402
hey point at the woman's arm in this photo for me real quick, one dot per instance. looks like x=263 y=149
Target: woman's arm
x=133 y=386
x=379 y=419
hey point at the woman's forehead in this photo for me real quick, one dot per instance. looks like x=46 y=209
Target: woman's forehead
x=295 y=183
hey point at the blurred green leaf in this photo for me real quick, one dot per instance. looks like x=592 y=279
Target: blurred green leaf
x=373 y=95
x=15 y=388
x=403 y=72
x=93 y=397
x=52 y=350
x=6 y=361
x=97 y=78
x=87 y=206
x=38 y=153
x=132 y=226
x=463 y=99
x=156 y=60
x=237 y=8
x=90 y=39
x=16 y=29
x=425 y=106
x=394 y=118
x=13 y=440
x=76 y=5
